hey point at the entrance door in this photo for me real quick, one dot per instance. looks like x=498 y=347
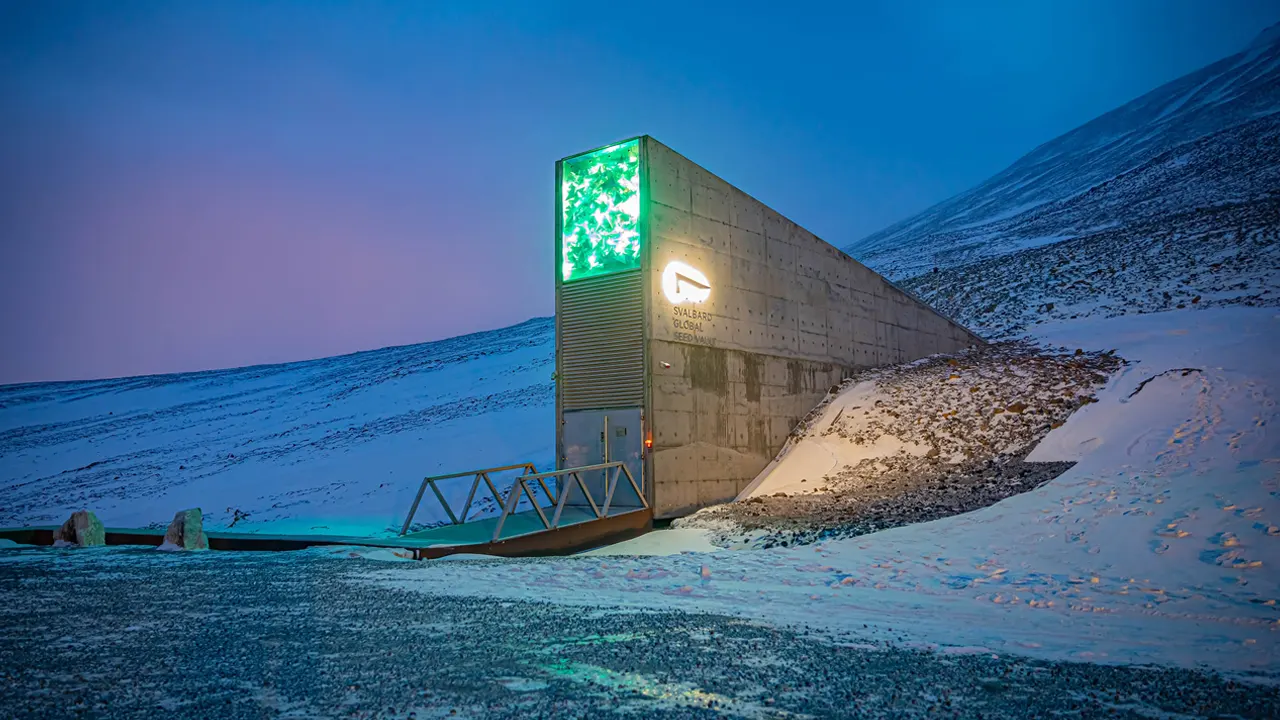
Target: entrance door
x=592 y=437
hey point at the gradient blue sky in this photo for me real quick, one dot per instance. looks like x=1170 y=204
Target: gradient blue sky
x=191 y=185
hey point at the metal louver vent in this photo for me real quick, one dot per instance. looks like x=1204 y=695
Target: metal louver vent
x=601 y=342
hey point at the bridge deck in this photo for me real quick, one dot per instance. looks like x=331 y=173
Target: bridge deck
x=522 y=523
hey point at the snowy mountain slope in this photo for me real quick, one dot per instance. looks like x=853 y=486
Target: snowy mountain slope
x=336 y=445
x=1207 y=257
x=1205 y=140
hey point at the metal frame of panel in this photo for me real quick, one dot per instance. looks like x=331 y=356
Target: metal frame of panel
x=646 y=267
x=643 y=399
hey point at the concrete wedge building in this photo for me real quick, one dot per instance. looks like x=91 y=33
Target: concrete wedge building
x=695 y=326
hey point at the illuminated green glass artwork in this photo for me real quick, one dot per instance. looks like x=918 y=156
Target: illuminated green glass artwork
x=600 y=212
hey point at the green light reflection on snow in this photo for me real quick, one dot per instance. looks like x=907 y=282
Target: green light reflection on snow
x=600 y=212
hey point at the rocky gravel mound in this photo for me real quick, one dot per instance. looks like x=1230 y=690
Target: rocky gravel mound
x=991 y=401
x=910 y=491
x=918 y=442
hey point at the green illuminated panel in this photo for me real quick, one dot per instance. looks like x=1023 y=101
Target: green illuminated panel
x=600 y=212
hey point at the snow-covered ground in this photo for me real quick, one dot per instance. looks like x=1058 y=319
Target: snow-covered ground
x=1159 y=546
x=331 y=446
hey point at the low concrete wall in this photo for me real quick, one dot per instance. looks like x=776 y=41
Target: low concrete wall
x=788 y=316
x=720 y=415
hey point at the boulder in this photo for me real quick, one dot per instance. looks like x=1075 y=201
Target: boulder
x=186 y=532
x=82 y=529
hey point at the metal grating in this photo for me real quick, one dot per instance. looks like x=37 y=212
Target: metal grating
x=601 y=342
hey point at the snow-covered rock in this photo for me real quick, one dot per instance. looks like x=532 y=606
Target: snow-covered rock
x=82 y=529
x=186 y=532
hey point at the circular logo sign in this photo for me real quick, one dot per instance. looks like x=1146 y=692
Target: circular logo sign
x=683 y=283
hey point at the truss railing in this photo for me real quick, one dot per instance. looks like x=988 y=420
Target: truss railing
x=457 y=519
x=524 y=485
x=521 y=485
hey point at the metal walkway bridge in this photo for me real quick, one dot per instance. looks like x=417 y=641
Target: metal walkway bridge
x=569 y=519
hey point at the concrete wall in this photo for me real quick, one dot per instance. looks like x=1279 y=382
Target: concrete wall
x=720 y=415
x=788 y=317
